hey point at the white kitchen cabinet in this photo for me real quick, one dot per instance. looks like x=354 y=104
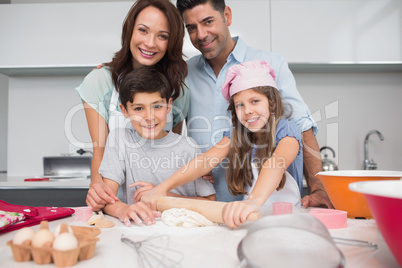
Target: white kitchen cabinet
x=72 y=38
x=60 y=34
x=340 y=31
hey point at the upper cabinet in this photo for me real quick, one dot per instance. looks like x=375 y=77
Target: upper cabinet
x=337 y=31
x=71 y=38
x=60 y=34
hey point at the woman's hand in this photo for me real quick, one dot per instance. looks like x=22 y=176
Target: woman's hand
x=99 y=195
x=236 y=213
x=145 y=188
x=139 y=213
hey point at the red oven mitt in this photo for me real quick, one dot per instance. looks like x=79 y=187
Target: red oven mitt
x=32 y=215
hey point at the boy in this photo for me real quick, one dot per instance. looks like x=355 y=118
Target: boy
x=146 y=155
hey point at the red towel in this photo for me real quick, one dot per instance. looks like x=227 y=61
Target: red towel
x=32 y=215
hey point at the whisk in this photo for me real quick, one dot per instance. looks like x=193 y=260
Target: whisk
x=155 y=252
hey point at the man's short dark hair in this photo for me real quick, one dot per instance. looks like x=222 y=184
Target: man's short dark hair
x=183 y=5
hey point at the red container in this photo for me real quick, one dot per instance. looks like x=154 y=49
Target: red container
x=385 y=201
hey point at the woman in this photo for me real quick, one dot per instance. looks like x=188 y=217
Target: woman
x=152 y=34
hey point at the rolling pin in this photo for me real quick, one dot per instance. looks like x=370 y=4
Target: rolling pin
x=212 y=210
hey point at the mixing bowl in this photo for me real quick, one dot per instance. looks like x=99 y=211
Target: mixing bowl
x=336 y=184
x=385 y=201
x=291 y=240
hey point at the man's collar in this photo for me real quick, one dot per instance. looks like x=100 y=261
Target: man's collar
x=239 y=51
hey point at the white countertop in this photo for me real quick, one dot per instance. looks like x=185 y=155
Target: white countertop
x=17 y=182
x=214 y=246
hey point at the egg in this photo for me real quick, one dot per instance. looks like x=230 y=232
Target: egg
x=65 y=241
x=23 y=234
x=41 y=237
x=57 y=231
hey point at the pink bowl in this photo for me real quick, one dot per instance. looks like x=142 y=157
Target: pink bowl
x=83 y=213
x=385 y=201
x=331 y=218
x=280 y=208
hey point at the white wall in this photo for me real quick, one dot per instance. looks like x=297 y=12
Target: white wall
x=37 y=123
x=3 y=121
x=356 y=103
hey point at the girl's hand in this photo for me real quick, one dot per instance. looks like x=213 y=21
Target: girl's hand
x=151 y=197
x=145 y=188
x=236 y=213
x=99 y=195
x=139 y=213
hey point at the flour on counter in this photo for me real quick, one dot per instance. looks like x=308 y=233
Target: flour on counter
x=182 y=217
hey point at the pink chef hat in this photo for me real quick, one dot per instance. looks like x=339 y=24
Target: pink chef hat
x=247 y=75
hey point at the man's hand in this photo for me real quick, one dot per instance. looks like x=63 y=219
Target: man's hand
x=99 y=195
x=145 y=188
x=209 y=177
x=317 y=198
x=312 y=164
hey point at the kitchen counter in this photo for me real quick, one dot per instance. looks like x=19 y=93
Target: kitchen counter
x=17 y=182
x=214 y=246
x=61 y=192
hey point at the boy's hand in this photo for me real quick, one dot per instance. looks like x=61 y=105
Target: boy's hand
x=145 y=188
x=139 y=213
x=236 y=213
x=99 y=195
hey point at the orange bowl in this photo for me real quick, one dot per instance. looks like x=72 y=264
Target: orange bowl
x=336 y=185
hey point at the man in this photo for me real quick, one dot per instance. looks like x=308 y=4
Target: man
x=207 y=23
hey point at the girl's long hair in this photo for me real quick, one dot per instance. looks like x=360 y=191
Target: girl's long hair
x=172 y=64
x=239 y=173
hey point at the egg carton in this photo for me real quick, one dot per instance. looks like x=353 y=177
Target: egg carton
x=86 y=237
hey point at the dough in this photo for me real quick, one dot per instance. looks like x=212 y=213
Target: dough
x=184 y=218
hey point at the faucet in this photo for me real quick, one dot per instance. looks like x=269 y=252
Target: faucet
x=370 y=164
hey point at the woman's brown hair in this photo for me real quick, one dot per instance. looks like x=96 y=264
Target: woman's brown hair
x=172 y=64
x=239 y=173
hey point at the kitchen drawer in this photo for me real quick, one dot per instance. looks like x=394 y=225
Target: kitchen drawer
x=61 y=197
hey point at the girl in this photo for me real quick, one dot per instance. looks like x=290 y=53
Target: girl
x=152 y=35
x=261 y=147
